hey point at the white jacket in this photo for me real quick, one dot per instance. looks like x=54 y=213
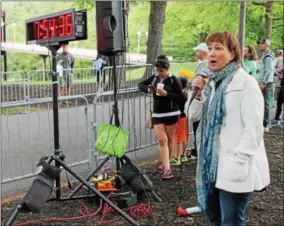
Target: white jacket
x=243 y=164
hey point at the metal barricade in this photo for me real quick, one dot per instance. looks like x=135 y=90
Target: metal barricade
x=26 y=138
x=128 y=76
x=81 y=81
x=133 y=112
x=86 y=81
x=15 y=87
x=40 y=84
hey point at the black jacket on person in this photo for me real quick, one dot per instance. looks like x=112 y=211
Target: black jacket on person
x=181 y=103
x=164 y=104
x=282 y=86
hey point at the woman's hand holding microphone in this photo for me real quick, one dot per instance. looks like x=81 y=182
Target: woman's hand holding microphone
x=198 y=83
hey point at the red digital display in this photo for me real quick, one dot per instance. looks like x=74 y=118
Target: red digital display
x=60 y=26
x=67 y=25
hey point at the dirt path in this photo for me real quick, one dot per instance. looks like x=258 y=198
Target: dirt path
x=265 y=208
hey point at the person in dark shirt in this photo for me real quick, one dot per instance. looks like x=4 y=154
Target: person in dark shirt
x=167 y=91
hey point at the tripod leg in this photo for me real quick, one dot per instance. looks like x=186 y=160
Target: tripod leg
x=90 y=187
x=156 y=196
x=14 y=216
x=88 y=177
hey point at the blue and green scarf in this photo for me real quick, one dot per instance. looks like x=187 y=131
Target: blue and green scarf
x=208 y=133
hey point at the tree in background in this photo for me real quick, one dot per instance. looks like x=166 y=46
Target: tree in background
x=155 y=30
x=185 y=24
x=268 y=5
x=265 y=20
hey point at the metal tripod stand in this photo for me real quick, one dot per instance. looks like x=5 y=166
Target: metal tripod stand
x=58 y=157
x=117 y=123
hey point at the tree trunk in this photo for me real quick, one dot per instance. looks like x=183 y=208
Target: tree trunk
x=202 y=37
x=155 y=30
x=268 y=19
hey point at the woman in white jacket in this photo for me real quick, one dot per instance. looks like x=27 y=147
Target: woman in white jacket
x=232 y=160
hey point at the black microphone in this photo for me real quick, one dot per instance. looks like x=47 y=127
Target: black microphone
x=204 y=73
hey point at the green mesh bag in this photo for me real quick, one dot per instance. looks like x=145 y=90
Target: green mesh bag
x=112 y=140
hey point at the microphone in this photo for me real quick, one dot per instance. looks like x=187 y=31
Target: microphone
x=204 y=73
x=184 y=212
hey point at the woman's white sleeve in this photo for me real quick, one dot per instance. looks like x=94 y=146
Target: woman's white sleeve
x=194 y=111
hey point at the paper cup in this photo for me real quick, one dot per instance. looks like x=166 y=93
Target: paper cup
x=159 y=86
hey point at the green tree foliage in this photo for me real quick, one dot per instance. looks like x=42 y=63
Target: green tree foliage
x=184 y=22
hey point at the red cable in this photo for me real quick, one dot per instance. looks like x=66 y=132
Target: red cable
x=137 y=211
x=84 y=215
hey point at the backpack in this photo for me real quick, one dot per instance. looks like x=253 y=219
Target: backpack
x=268 y=55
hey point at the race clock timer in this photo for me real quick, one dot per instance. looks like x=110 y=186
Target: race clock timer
x=67 y=25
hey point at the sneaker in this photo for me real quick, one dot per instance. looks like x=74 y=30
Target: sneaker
x=167 y=174
x=184 y=158
x=160 y=169
x=275 y=123
x=192 y=157
x=266 y=129
x=175 y=162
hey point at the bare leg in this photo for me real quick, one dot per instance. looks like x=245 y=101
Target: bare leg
x=179 y=150
x=170 y=130
x=183 y=148
x=161 y=135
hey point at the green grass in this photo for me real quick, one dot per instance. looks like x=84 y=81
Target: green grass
x=133 y=74
x=19 y=110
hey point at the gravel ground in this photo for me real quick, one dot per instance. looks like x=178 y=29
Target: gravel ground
x=265 y=208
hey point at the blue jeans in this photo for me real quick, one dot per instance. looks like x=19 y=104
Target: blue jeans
x=266 y=91
x=227 y=209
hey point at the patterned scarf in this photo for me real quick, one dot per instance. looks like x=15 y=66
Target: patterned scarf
x=208 y=133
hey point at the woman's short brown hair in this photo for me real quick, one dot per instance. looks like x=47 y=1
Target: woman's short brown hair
x=252 y=53
x=227 y=39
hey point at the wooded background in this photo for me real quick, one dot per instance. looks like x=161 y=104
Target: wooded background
x=174 y=28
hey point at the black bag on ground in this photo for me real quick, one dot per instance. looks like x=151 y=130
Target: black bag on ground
x=41 y=188
x=138 y=182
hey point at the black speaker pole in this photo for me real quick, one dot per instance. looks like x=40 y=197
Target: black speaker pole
x=4 y=52
x=57 y=152
x=55 y=98
x=115 y=112
x=115 y=106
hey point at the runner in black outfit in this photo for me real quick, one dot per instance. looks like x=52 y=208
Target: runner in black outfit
x=166 y=90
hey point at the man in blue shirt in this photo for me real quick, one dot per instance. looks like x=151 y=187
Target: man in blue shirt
x=98 y=66
x=266 y=77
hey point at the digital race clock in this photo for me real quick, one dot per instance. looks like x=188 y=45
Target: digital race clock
x=67 y=25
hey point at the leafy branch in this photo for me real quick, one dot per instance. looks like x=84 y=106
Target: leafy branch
x=277 y=26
